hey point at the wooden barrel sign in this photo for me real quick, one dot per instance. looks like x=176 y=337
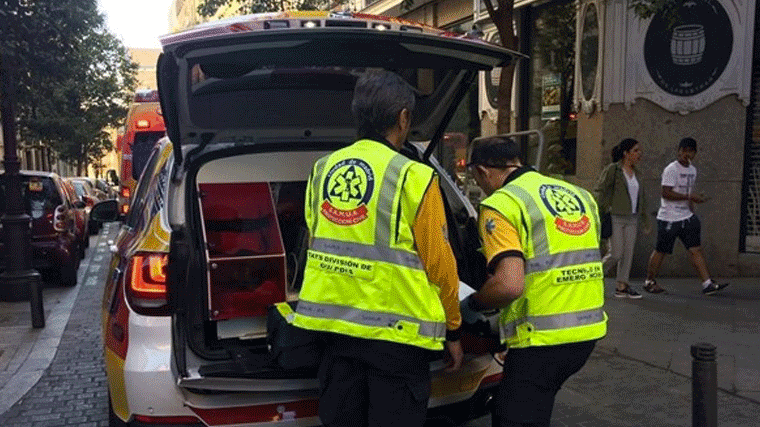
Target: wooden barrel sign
x=687 y=44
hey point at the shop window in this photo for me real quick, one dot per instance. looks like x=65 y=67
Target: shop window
x=550 y=100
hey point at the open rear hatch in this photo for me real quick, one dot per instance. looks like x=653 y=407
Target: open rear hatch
x=249 y=110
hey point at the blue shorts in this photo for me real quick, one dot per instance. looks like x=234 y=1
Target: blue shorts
x=688 y=230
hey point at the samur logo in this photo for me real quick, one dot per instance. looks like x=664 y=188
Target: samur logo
x=346 y=192
x=569 y=212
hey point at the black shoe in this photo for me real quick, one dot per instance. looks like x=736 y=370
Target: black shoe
x=713 y=288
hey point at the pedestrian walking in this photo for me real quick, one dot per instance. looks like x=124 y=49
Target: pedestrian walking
x=620 y=192
x=676 y=219
x=540 y=236
x=380 y=282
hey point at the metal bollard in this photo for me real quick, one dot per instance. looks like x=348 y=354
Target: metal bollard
x=35 y=300
x=704 y=386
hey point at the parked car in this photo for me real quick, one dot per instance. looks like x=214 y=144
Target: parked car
x=55 y=246
x=216 y=231
x=108 y=191
x=100 y=193
x=86 y=191
x=82 y=214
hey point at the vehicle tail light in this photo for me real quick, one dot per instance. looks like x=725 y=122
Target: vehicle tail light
x=146 y=283
x=125 y=193
x=124 y=209
x=59 y=219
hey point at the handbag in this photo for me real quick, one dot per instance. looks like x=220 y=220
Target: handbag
x=606 y=217
x=606 y=225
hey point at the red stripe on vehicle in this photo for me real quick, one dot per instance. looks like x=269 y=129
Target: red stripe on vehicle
x=259 y=413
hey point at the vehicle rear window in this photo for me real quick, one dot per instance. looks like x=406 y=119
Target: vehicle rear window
x=231 y=96
x=40 y=195
x=79 y=188
x=141 y=148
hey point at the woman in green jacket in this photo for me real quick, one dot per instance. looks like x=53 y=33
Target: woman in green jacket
x=620 y=192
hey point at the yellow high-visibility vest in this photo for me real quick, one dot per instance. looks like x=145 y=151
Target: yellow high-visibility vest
x=363 y=275
x=558 y=226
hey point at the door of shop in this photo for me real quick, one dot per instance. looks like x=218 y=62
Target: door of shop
x=750 y=235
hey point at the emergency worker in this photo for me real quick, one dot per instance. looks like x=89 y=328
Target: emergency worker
x=380 y=281
x=540 y=236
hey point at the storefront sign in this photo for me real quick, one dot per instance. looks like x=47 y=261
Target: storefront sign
x=687 y=53
x=682 y=61
x=551 y=86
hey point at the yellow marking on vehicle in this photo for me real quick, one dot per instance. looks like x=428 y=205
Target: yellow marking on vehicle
x=115 y=374
x=458 y=382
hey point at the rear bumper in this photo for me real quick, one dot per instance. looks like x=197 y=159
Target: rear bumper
x=48 y=254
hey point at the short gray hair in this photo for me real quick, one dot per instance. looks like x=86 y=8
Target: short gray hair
x=379 y=96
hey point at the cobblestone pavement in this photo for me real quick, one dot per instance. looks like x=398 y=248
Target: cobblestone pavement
x=72 y=390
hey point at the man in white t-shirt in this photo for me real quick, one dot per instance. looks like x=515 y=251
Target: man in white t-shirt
x=676 y=219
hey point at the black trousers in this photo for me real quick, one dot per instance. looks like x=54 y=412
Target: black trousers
x=366 y=383
x=532 y=378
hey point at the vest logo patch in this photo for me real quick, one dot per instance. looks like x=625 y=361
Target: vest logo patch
x=346 y=192
x=569 y=212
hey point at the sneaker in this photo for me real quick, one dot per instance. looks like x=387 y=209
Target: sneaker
x=627 y=293
x=713 y=288
x=652 y=287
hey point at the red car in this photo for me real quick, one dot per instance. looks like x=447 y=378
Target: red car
x=86 y=192
x=82 y=213
x=55 y=249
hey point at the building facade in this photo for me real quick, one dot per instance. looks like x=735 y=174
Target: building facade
x=598 y=73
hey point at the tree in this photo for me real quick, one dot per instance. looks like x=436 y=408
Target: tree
x=500 y=14
x=648 y=8
x=209 y=8
x=74 y=78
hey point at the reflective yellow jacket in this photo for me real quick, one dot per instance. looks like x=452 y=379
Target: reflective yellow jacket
x=363 y=276
x=558 y=227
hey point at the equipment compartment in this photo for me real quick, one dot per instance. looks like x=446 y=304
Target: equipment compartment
x=245 y=255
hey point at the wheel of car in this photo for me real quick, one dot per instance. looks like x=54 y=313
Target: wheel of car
x=69 y=274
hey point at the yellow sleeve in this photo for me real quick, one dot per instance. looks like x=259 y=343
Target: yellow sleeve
x=499 y=236
x=432 y=239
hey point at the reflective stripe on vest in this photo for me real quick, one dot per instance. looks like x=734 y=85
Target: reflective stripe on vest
x=370 y=318
x=319 y=169
x=540 y=264
x=554 y=321
x=368 y=252
x=540 y=239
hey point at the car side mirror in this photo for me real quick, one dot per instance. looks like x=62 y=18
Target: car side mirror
x=80 y=204
x=105 y=211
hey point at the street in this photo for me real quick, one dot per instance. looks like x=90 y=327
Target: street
x=639 y=375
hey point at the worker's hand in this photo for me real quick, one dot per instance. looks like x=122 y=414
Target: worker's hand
x=470 y=316
x=454 y=355
x=698 y=198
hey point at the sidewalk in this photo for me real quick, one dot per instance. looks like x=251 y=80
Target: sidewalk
x=640 y=374
x=26 y=352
